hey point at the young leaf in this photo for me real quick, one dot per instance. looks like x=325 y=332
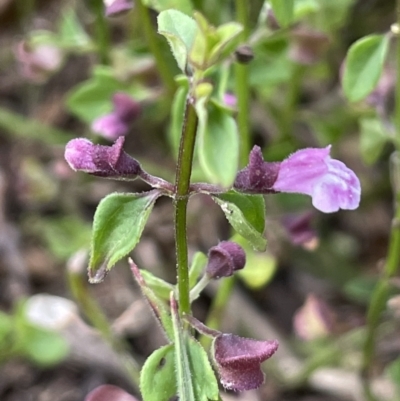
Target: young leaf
x=372 y=140
x=228 y=38
x=118 y=224
x=284 y=11
x=364 y=64
x=205 y=384
x=161 y=288
x=71 y=33
x=246 y=214
x=198 y=265
x=157 y=382
x=184 y=6
x=180 y=31
x=218 y=144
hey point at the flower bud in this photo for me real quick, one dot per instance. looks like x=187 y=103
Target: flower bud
x=230 y=100
x=244 y=54
x=238 y=360
x=117 y=7
x=224 y=259
x=101 y=161
x=299 y=230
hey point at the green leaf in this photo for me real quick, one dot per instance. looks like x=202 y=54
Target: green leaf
x=180 y=31
x=161 y=288
x=6 y=326
x=218 y=143
x=364 y=64
x=284 y=11
x=393 y=369
x=93 y=97
x=205 y=384
x=246 y=214
x=372 y=140
x=41 y=346
x=228 y=39
x=71 y=33
x=118 y=224
x=157 y=381
x=162 y=5
x=198 y=264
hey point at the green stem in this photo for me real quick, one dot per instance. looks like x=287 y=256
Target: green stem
x=218 y=306
x=153 y=43
x=381 y=291
x=102 y=31
x=242 y=88
x=182 y=189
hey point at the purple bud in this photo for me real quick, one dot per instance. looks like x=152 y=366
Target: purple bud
x=331 y=185
x=224 y=259
x=102 y=161
x=314 y=319
x=298 y=227
x=238 y=360
x=116 y=124
x=117 y=7
x=108 y=392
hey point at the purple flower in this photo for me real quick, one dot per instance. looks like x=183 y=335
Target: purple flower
x=107 y=392
x=117 y=7
x=331 y=185
x=102 y=161
x=224 y=259
x=116 y=124
x=230 y=100
x=238 y=360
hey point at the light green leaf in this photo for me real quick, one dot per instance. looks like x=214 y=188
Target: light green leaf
x=157 y=381
x=180 y=31
x=284 y=11
x=373 y=138
x=118 y=224
x=246 y=214
x=363 y=66
x=198 y=264
x=203 y=377
x=228 y=39
x=71 y=33
x=184 y=6
x=161 y=288
x=218 y=144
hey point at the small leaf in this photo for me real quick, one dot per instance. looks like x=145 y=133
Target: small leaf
x=118 y=224
x=228 y=39
x=157 y=381
x=160 y=287
x=71 y=33
x=92 y=98
x=363 y=66
x=205 y=384
x=283 y=11
x=245 y=213
x=372 y=140
x=218 y=144
x=180 y=31
x=198 y=265
x=162 y=5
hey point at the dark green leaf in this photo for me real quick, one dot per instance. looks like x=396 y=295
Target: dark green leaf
x=372 y=140
x=218 y=143
x=283 y=11
x=157 y=377
x=205 y=384
x=364 y=64
x=118 y=224
x=180 y=31
x=246 y=214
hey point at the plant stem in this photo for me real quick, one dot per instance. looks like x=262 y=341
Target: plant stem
x=242 y=88
x=102 y=32
x=381 y=291
x=163 y=69
x=182 y=189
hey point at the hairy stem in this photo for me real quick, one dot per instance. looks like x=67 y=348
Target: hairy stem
x=381 y=291
x=182 y=189
x=242 y=88
x=154 y=45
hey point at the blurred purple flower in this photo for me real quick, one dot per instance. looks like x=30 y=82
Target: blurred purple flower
x=224 y=259
x=117 y=7
x=38 y=62
x=102 y=161
x=298 y=227
x=238 y=360
x=230 y=100
x=116 y=124
x=331 y=185
x=107 y=392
